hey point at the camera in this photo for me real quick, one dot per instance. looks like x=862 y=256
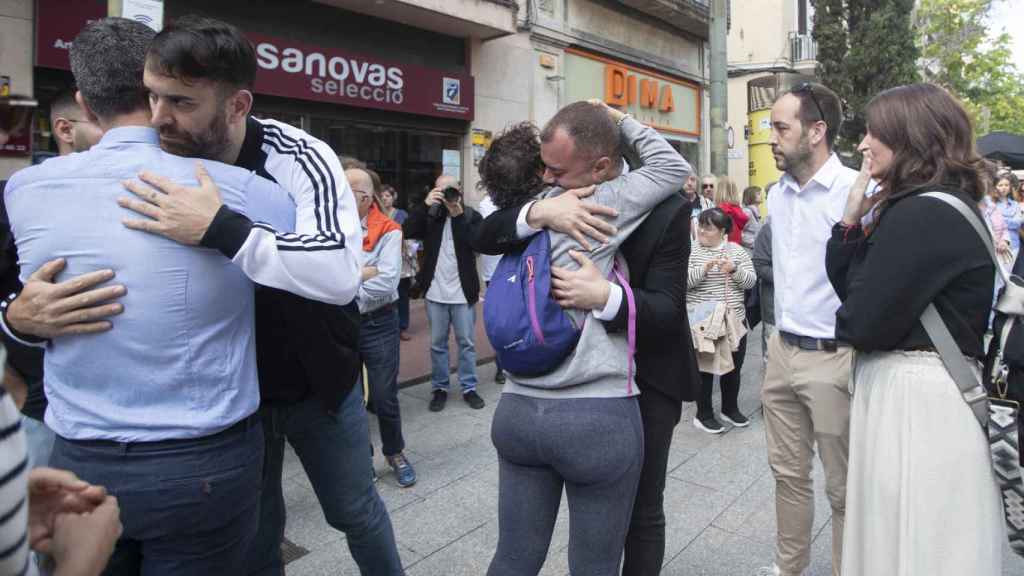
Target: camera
x=451 y=194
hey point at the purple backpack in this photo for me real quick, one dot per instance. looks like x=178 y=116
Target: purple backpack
x=530 y=333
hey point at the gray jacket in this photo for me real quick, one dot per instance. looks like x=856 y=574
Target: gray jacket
x=599 y=366
x=763 y=266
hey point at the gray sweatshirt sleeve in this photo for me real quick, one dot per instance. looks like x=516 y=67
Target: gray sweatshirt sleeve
x=762 y=257
x=660 y=174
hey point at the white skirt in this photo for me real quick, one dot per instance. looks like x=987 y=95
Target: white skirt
x=921 y=498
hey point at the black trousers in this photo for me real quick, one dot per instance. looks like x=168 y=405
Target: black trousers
x=730 y=384
x=645 y=541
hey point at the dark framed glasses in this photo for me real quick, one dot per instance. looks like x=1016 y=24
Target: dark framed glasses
x=806 y=88
x=706 y=186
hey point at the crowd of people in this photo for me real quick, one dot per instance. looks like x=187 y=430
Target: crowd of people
x=229 y=283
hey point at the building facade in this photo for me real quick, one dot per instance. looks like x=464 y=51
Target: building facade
x=769 y=49
x=416 y=87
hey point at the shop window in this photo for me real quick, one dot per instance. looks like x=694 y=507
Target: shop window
x=408 y=159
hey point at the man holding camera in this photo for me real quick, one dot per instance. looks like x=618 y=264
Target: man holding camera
x=450 y=282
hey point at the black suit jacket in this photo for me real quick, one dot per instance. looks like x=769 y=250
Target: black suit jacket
x=658 y=254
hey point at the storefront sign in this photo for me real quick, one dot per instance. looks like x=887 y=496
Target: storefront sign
x=57 y=24
x=149 y=12
x=294 y=70
x=666 y=103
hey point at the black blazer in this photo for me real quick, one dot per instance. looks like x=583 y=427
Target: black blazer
x=419 y=225
x=658 y=254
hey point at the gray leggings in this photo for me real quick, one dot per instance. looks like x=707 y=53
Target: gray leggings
x=592 y=446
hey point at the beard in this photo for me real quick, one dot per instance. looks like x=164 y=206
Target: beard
x=787 y=162
x=209 y=145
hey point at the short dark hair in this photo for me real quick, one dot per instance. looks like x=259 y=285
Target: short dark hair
x=107 y=59
x=819 y=104
x=593 y=133
x=63 y=103
x=510 y=170
x=715 y=217
x=200 y=48
x=750 y=195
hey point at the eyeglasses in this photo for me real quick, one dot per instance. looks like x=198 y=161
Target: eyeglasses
x=706 y=186
x=806 y=88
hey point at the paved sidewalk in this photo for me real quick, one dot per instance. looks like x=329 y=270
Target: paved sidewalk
x=719 y=496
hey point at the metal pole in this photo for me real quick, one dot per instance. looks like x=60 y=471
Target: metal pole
x=719 y=86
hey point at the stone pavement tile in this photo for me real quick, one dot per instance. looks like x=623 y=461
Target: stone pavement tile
x=753 y=513
x=334 y=559
x=731 y=463
x=445 y=432
x=720 y=553
x=437 y=474
x=291 y=466
x=305 y=524
x=469 y=555
x=428 y=526
x=689 y=510
x=821 y=552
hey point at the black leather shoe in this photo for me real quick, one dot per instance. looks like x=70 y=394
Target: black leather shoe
x=438 y=401
x=473 y=399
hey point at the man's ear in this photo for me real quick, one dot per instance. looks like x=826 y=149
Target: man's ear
x=85 y=108
x=62 y=128
x=602 y=167
x=239 y=106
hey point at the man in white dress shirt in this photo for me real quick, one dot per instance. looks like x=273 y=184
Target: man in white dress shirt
x=805 y=392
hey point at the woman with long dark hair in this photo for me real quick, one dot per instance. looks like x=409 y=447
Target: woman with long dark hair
x=921 y=497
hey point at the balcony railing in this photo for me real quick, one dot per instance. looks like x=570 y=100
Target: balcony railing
x=802 y=48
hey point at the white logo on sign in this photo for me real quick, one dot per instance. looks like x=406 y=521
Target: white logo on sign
x=452 y=91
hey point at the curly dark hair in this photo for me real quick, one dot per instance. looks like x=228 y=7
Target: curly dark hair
x=511 y=169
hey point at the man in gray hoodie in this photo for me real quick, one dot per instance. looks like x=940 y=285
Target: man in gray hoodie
x=578 y=427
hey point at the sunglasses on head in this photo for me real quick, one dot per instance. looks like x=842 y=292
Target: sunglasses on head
x=807 y=88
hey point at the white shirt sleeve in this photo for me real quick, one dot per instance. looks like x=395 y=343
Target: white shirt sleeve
x=611 y=307
x=321 y=260
x=524 y=230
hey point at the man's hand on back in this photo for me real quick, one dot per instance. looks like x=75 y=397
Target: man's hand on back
x=583 y=289
x=568 y=214
x=46 y=309
x=181 y=213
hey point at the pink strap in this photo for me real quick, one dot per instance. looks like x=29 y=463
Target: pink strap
x=631 y=324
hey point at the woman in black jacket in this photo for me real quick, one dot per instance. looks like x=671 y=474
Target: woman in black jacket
x=921 y=497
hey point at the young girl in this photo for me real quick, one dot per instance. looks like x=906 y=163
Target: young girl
x=720 y=271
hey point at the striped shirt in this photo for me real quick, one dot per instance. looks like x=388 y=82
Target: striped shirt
x=14 y=556
x=716 y=286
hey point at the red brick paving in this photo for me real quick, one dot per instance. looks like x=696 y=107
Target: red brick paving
x=414 y=363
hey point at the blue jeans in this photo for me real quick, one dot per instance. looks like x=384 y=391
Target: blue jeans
x=189 y=507
x=461 y=317
x=39 y=441
x=334 y=451
x=378 y=344
x=403 y=303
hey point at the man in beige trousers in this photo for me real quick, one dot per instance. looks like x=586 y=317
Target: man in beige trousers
x=805 y=393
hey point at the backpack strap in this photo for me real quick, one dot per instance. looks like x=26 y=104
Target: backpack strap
x=952 y=358
x=631 y=323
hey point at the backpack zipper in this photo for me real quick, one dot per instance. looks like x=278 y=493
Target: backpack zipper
x=532 y=301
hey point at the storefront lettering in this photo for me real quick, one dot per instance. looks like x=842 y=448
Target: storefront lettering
x=336 y=76
x=620 y=89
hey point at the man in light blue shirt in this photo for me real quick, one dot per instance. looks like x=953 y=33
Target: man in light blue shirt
x=160 y=409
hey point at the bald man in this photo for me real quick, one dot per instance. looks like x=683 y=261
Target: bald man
x=378 y=314
x=451 y=284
